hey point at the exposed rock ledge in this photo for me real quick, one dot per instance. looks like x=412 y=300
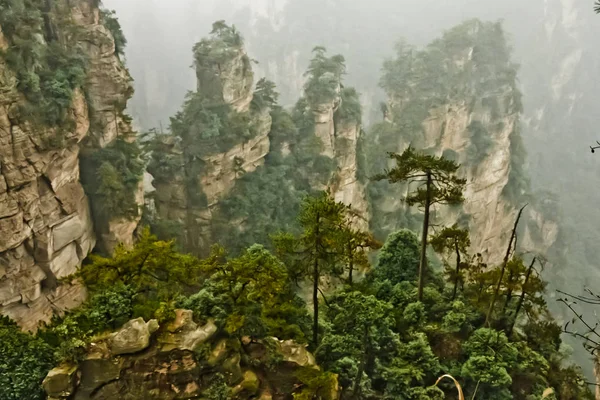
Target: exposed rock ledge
x=179 y=361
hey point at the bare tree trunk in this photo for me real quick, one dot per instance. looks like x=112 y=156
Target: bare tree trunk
x=363 y=363
x=457 y=269
x=351 y=263
x=504 y=264
x=522 y=297
x=509 y=292
x=316 y=277
x=316 y=302
x=423 y=263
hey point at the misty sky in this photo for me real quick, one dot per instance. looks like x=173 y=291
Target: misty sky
x=161 y=33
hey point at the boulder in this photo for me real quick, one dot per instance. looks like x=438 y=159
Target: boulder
x=218 y=353
x=232 y=369
x=184 y=334
x=249 y=385
x=295 y=353
x=61 y=381
x=133 y=337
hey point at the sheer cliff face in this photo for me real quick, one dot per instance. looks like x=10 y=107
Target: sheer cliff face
x=224 y=148
x=213 y=148
x=46 y=227
x=468 y=110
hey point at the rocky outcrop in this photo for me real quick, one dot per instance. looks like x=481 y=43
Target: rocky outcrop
x=347 y=187
x=325 y=125
x=489 y=210
x=108 y=89
x=175 y=363
x=61 y=381
x=133 y=337
x=191 y=194
x=46 y=227
x=223 y=169
x=475 y=122
x=231 y=80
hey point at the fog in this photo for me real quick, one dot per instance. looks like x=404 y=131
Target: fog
x=554 y=41
x=161 y=34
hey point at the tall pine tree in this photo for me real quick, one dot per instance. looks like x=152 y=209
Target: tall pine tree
x=437 y=183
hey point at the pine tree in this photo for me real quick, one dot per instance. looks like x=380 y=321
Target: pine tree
x=437 y=184
x=455 y=241
x=356 y=245
x=318 y=249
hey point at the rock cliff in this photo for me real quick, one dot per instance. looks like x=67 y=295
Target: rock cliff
x=46 y=226
x=183 y=360
x=231 y=135
x=217 y=137
x=469 y=113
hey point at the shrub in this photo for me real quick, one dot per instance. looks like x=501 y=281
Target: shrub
x=24 y=362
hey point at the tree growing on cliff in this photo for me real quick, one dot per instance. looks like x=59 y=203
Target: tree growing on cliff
x=153 y=269
x=453 y=240
x=324 y=75
x=437 y=183
x=356 y=244
x=249 y=296
x=317 y=250
x=111 y=22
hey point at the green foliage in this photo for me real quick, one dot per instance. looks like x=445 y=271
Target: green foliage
x=249 y=296
x=318 y=250
x=268 y=199
x=265 y=95
x=320 y=217
x=206 y=127
x=426 y=74
x=490 y=354
x=153 y=269
x=350 y=110
x=324 y=76
x=418 y=167
x=218 y=389
x=112 y=176
x=164 y=162
x=437 y=184
x=455 y=242
x=398 y=260
x=111 y=22
x=378 y=339
x=107 y=309
x=359 y=337
x=223 y=44
x=24 y=362
x=48 y=71
x=315 y=384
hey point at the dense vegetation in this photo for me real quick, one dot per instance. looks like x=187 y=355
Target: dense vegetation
x=267 y=199
x=387 y=336
x=112 y=177
x=263 y=201
x=48 y=70
x=375 y=334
